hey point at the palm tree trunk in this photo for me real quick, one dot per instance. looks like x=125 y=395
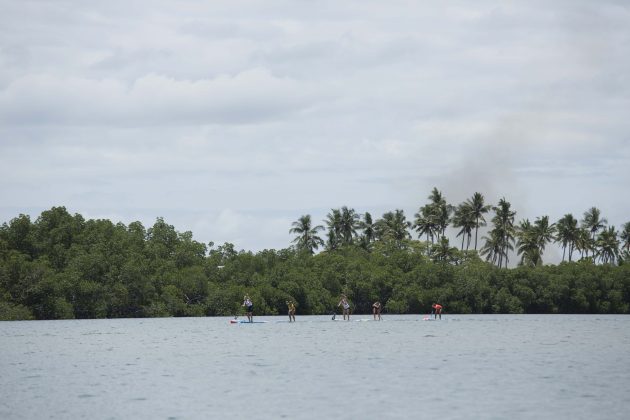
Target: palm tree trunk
x=476 y=229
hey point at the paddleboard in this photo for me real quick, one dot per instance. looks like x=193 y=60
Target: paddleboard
x=355 y=320
x=243 y=321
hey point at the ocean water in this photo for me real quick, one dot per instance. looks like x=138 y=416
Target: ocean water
x=462 y=367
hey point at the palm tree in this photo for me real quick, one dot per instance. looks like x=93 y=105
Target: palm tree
x=478 y=209
x=463 y=218
x=608 y=245
x=425 y=223
x=625 y=236
x=527 y=244
x=441 y=211
x=436 y=196
x=625 y=244
x=368 y=228
x=567 y=234
x=492 y=249
x=593 y=221
x=533 y=238
x=442 y=252
x=444 y=212
x=348 y=225
x=544 y=232
x=400 y=226
x=333 y=221
x=307 y=239
x=503 y=222
x=583 y=242
x=394 y=226
x=432 y=219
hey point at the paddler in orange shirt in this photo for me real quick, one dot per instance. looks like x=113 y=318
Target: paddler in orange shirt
x=437 y=310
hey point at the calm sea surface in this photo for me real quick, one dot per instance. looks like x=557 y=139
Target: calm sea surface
x=462 y=367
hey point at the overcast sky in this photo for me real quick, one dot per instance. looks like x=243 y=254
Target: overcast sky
x=232 y=119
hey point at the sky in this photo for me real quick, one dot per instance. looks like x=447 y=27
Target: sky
x=231 y=119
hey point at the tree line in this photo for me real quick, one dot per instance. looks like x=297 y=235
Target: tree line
x=63 y=266
x=591 y=238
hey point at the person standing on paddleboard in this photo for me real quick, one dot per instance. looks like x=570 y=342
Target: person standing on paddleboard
x=249 y=307
x=376 y=310
x=291 y=306
x=437 y=310
x=345 y=306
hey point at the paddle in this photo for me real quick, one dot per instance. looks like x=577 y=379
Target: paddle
x=377 y=312
x=334 y=314
x=428 y=316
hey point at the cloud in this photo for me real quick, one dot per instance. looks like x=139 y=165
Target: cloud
x=235 y=118
x=248 y=97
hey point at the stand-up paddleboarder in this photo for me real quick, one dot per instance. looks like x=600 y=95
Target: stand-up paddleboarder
x=437 y=310
x=376 y=310
x=291 y=306
x=249 y=307
x=345 y=306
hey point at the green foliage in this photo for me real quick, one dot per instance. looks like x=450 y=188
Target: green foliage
x=14 y=312
x=62 y=266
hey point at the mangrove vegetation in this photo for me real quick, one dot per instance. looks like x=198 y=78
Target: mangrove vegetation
x=63 y=266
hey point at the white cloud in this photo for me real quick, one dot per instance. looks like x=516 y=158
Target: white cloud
x=251 y=96
x=233 y=119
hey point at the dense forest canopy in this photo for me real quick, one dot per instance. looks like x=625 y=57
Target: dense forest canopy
x=63 y=266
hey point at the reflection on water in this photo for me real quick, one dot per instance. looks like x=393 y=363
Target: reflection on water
x=486 y=366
